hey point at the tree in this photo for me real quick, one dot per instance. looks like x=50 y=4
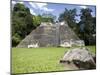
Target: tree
x=48 y=17
x=87 y=25
x=22 y=23
x=69 y=17
x=37 y=20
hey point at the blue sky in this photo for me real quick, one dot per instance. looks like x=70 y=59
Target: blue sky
x=55 y=9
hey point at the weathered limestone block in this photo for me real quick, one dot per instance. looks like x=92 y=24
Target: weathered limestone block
x=78 y=43
x=71 y=43
x=81 y=58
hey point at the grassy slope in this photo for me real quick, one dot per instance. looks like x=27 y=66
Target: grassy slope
x=26 y=60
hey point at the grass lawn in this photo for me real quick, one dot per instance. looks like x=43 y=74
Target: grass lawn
x=31 y=60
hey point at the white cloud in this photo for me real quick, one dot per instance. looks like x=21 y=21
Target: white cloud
x=84 y=7
x=41 y=6
x=37 y=5
x=32 y=4
x=48 y=10
x=13 y=2
x=21 y=2
x=32 y=12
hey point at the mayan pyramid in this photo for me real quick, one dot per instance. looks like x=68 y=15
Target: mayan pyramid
x=48 y=34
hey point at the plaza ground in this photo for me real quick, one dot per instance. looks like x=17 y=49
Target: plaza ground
x=45 y=59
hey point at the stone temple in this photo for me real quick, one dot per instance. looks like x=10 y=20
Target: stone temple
x=51 y=35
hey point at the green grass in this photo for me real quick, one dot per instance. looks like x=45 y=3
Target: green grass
x=92 y=49
x=26 y=60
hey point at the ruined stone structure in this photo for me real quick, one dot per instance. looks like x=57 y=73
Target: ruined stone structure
x=48 y=34
x=79 y=58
